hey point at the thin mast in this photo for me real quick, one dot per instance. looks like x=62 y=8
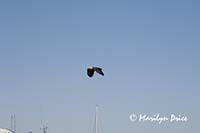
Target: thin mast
x=96 y=119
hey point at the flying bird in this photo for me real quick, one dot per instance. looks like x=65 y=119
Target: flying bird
x=91 y=70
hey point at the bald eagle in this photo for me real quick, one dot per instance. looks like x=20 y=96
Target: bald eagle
x=91 y=70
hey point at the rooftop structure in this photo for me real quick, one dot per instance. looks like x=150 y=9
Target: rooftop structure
x=4 y=130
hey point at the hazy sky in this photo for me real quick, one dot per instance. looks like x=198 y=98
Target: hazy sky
x=149 y=51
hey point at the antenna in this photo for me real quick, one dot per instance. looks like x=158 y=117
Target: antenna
x=13 y=123
x=14 y=117
x=44 y=129
x=96 y=119
x=96 y=123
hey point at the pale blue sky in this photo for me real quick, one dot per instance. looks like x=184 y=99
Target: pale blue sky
x=149 y=51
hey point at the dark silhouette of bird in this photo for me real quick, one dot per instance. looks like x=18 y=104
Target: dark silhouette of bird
x=91 y=70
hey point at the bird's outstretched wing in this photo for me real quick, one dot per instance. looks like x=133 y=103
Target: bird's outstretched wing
x=98 y=70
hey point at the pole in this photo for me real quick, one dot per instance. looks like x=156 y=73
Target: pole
x=96 y=119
